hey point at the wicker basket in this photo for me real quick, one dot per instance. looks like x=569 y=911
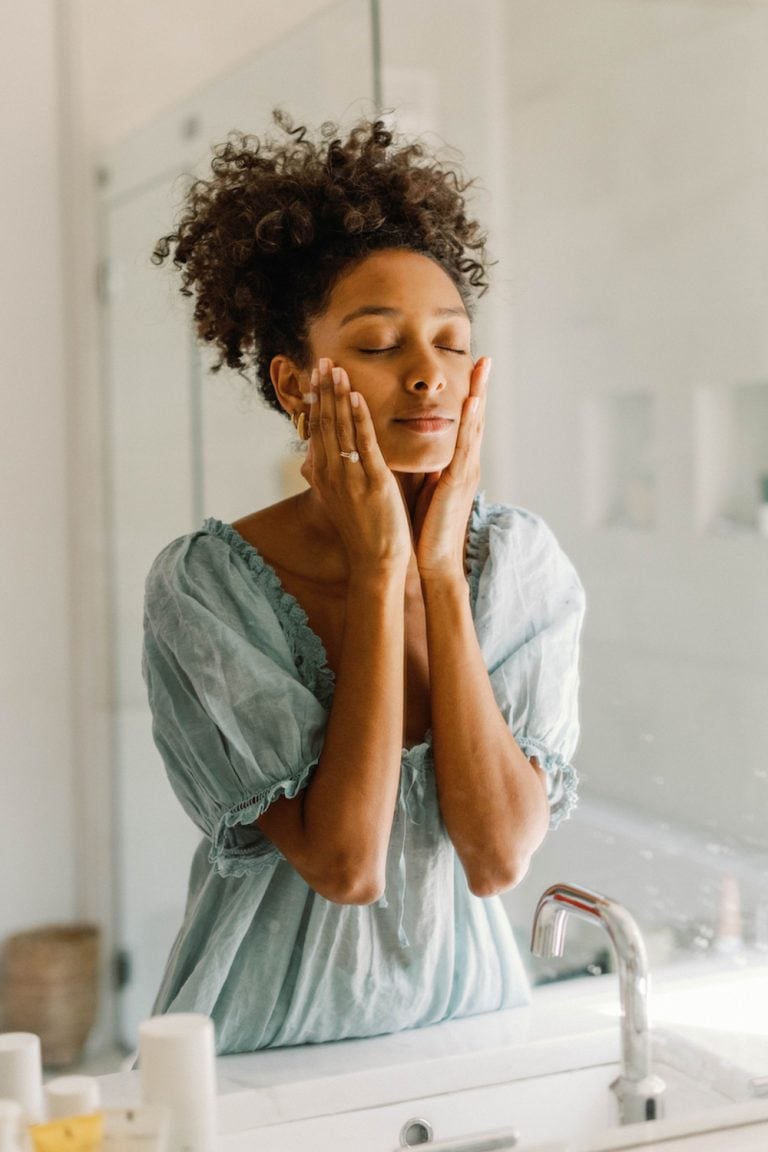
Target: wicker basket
x=51 y=988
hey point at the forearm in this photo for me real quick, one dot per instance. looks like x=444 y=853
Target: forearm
x=492 y=799
x=336 y=832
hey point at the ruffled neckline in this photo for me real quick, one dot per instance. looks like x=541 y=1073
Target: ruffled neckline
x=307 y=648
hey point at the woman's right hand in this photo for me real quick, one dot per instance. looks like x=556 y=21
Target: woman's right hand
x=359 y=494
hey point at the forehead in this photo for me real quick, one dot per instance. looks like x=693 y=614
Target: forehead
x=397 y=279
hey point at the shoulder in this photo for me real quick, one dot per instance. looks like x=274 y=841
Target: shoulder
x=191 y=559
x=513 y=548
x=497 y=528
x=213 y=569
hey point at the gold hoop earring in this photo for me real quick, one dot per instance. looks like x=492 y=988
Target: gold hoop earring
x=300 y=424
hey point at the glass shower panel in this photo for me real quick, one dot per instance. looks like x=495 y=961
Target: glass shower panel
x=183 y=444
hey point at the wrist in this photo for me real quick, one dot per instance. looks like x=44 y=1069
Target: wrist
x=449 y=565
x=444 y=582
x=380 y=577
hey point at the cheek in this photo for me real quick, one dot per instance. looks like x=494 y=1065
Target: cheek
x=363 y=379
x=374 y=408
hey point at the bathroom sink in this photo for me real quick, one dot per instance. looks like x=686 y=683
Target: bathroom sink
x=574 y=1105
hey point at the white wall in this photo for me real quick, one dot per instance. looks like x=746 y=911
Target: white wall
x=36 y=805
x=75 y=77
x=635 y=137
x=135 y=60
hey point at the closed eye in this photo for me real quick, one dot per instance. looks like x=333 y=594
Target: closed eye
x=394 y=348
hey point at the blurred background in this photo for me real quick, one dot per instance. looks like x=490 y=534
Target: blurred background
x=621 y=148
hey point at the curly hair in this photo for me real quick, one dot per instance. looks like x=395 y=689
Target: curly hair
x=262 y=243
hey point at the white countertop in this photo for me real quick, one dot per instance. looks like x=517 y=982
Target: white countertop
x=721 y=1008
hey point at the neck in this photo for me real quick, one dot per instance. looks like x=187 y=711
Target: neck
x=411 y=484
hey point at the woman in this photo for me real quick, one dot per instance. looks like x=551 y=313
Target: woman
x=365 y=695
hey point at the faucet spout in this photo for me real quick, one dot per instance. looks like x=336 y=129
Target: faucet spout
x=639 y=1092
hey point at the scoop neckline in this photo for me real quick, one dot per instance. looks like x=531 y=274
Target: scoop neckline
x=307 y=648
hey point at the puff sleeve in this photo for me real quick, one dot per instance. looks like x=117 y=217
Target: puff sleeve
x=528 y=610
x=234 y=715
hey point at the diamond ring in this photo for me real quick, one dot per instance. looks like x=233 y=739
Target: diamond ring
x=353 y=456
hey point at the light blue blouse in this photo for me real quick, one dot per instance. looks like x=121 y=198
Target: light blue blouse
x=240 y=692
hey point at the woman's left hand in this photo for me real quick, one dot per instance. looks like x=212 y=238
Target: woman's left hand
x=445 y=501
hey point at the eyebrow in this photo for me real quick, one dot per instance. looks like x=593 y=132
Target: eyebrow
x=381 y=310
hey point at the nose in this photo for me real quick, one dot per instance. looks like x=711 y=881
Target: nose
x=425 y=373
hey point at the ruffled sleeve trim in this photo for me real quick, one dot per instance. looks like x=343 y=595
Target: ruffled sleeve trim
x=476 y=550
x=562 y=778
x=237 y=847
x=306 y=646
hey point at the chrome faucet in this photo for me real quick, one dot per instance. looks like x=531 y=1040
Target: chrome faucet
x=639 y=1092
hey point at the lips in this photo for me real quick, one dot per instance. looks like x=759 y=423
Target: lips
x=425 y=421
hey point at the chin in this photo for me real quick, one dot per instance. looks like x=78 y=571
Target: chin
x=432 y=458
x=419 y=467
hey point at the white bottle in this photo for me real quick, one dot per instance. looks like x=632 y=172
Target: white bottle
x=12 y=1135
x=178 y=1071
x=72 y=1096
x=21 y=1072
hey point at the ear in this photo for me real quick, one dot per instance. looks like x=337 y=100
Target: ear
x=287 y=378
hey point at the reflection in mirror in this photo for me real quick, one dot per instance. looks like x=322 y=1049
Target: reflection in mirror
x=635 y=204
x=623 y=176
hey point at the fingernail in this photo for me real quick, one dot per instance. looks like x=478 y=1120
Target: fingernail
x=314 y=377
x=354 y=399
x=310 y=397
x=336 y=375
x=324 y=365
x=487 y=368
x=473 y=403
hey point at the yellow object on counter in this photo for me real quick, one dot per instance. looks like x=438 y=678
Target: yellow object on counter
x=73 y=1134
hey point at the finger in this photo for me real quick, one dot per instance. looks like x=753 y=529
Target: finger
x=315 y=436
x=479 y=379
x=478 y=390
x=345 y=429
x=366 y=442
x=309 y=394
x=323 y=418
x=332 y=401
x=308 y=464
x=466 y=454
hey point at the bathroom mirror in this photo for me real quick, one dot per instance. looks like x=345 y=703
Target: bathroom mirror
x=623 y=165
